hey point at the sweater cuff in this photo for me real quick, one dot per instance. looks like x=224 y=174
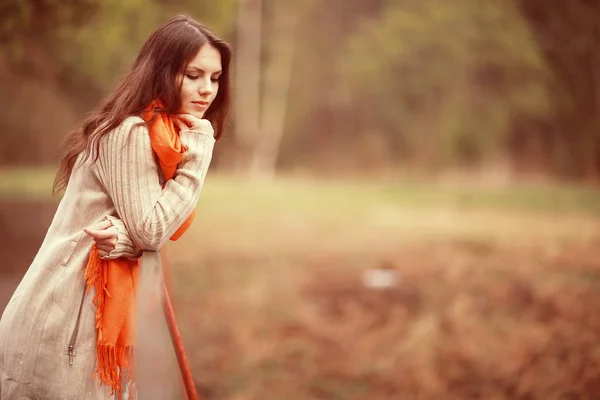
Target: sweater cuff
x=196 y=138
x=124 y=247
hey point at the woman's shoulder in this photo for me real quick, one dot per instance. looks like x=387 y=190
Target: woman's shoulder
x=128 y=125
x=132 y=129
x=130 y=122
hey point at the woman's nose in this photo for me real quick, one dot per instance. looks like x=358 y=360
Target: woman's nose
x=206 y=87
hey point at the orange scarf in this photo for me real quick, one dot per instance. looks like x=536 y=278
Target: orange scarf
x=115 y=281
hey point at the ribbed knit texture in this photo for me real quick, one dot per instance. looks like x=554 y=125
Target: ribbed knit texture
x=124 y=246
x=130 y=174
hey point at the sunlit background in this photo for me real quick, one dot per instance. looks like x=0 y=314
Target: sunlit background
x=405 y=204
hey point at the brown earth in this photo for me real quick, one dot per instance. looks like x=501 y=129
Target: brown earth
x=465 y=318
x=462 y=321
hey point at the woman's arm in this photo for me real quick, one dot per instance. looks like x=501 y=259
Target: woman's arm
x=124 y=246
x=112 y=239
x=126 y=167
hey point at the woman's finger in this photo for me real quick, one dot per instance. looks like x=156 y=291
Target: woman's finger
x=96 y=229
x=110 y=242
x=197 y=124
x=100 y=226
x=96 y=234
x=180 y=124
x=90 y=232
x=188 y=119
x=105 y=246
x=105 y=224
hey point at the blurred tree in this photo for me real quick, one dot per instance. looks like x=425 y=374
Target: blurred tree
x=99 y=60
x=248 y=74
x=319 y=126
x=282 y=31
x=23 y=23
x=266 y=42
x=569 y=35
x=443 y=81
x=38 y=112
x=337 y=83
x=58 y=58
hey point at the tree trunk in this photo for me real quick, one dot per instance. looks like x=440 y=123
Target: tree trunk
x=247 y=93
x=277 y=76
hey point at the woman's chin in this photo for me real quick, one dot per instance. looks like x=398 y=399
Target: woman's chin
x=194 y=113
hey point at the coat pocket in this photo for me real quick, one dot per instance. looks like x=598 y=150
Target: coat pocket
x=69 y=251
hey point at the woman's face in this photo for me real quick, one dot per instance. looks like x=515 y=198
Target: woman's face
x=200 y=82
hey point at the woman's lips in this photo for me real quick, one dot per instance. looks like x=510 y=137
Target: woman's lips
x=201 y=105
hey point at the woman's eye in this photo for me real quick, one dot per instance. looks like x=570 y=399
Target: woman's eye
x=192 y=77
x=214 y=79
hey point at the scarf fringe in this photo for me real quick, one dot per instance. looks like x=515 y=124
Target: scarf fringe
x=96 y=277
x=114 y=361
x=115 y=367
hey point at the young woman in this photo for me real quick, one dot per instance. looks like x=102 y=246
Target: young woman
x=132 y=175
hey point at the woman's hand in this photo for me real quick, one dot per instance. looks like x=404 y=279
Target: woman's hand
x=189 y=122
x=105 y=236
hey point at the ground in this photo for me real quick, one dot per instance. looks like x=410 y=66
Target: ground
x=395 y=290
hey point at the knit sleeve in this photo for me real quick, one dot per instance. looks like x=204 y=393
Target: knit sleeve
x=130 y=174
x=124 y=246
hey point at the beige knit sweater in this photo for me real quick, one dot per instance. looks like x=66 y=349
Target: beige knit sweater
x=39 y=322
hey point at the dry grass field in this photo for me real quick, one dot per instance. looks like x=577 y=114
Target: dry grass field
x=354 y=290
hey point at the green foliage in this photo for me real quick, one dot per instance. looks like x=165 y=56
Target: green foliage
x=59 y=57
x=429 y=83
x=101 y=59
x=93 y=42
x=469 y=67
x=25 y=21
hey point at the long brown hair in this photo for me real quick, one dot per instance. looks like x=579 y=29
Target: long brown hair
x=153 y=76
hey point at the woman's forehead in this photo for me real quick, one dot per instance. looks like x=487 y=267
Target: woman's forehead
x=208 y=59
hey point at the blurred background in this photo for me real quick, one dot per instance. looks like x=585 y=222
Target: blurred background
x=405 y=204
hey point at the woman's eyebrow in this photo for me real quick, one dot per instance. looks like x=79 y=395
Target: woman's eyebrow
x=202 y=70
